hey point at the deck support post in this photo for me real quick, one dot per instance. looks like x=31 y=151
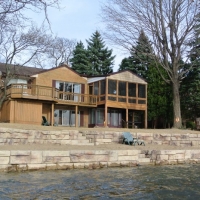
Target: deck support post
x=52 y=114
x=76 y=116
x=126 y=117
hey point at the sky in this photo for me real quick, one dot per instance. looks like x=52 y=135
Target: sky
x=79 y=19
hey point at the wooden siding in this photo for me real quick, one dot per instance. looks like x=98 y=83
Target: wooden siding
x=27 y=112
x=60 y=74
x=127 y=76
x=5 y=112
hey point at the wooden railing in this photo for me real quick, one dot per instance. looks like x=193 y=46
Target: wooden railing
x=49 y=93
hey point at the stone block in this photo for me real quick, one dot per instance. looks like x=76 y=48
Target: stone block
x=56 y=159
x=195 y=154
x=36 y=166
x=79 y=165
x=22 y=167
x=51 y=166
x=65 y=166
x=4 y=153
x=4 y=160
x=19 y=159
x=177 y=157
x=82 y=158
x=175 y=143
x=162 y=157
x=114 y=164
x=36 y=157
x=103 y=164
x=20 y=153
x=195 y=143
x=55 y=153
x=113 y=156
x=144 y=160
x=127 y=152
x=125 y=163
x=127 y=158
x=172 y=152
x=61 y=136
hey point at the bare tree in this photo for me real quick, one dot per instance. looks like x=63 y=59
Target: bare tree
x=169 y=25
x=20 y=47
x=12 y=11
x=59 y=51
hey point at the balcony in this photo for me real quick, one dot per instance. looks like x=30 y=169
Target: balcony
x=38 y=92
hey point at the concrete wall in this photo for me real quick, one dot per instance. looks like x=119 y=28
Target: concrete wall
x=91 y=159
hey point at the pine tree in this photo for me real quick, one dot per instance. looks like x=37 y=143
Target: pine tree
x=190 y=87
x=159 y=95
x=100 y=58
x=79 y=61
x=140 y=58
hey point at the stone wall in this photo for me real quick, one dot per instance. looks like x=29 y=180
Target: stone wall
x=93 y=137
x=91 y=159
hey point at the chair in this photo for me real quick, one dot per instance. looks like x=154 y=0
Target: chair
x=44 y=121
x=128 y=138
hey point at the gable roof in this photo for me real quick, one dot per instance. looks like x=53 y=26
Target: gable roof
x=60 y=66
x=20 y=70
x=121 y=75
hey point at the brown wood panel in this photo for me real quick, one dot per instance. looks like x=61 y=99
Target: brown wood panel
x=28 y=112
x=5 y=112
x=115 y=104
x=60 y=74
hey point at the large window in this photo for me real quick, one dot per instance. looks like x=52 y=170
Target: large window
x=131 y=89
x=68 y=87
x=122 y=89
x=141 y=91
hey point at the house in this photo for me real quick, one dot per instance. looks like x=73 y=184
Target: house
x=67 y=98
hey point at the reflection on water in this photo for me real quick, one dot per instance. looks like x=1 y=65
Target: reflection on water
x=148 y=182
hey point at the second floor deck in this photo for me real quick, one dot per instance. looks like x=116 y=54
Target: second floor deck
x=29 y=91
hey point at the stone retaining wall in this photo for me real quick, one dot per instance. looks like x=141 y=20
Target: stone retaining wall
x=91 y=159
x=93 y=137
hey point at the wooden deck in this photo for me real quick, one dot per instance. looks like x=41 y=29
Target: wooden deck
x=37 y=92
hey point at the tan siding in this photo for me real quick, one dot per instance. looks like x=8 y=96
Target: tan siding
x=5 y=112
x=127 y=76
x=61 y=74
x=28 y=112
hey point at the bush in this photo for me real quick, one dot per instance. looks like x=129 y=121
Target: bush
x=190 y=124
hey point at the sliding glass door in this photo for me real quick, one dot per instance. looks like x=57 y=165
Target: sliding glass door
x=66 y=117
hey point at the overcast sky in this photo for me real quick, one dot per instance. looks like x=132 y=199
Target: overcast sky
x=79 y=19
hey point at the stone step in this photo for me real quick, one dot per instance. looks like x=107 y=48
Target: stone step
x=81 y=142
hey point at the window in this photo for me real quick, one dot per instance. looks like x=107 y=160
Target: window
x=131 y=89
x=141 y=91
x=112 y=86
x=122 y=89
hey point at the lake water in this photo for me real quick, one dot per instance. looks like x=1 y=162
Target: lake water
x=143 y=182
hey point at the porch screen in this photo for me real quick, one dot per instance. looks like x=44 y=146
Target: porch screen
x=122 y=89
x=131 y=89
x=141 y=91
x=112 y=87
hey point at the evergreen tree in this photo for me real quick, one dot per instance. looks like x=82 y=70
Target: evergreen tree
x=190 y=87
x=140 y=58
x=79 y=60
x=159 y=95
x=100 y=58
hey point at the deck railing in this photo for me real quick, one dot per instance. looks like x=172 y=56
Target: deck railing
x=49 y=93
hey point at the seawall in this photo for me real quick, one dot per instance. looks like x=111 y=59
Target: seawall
x=37 y=159
x=92 y=159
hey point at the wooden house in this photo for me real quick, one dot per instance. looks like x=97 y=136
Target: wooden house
x=67 y=98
